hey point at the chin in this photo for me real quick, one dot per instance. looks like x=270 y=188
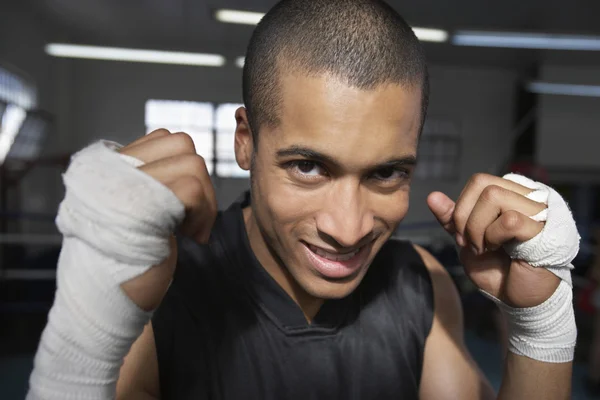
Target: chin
x=332 y=290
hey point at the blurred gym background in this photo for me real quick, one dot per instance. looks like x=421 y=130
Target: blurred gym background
x=515 y=86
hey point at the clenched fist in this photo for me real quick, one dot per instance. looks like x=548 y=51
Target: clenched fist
x=490 y=212
x=171 y=159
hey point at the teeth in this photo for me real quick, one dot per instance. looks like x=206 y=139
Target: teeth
x=332 y=256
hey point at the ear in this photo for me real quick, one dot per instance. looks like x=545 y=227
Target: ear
x=244 y=144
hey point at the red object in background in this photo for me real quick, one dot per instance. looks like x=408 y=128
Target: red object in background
x=530 y=170
x=584 y=299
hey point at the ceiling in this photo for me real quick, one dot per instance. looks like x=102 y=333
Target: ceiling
x=188 y=25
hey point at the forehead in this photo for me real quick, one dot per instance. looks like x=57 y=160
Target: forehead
x=324 y=113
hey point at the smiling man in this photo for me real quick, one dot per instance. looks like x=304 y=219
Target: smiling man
x=297 y=291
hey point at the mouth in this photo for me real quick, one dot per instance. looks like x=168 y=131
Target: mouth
x=335 y=265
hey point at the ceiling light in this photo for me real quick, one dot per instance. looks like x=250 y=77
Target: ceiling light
x=526 y=40
x=563 y=89
x=240 y=61
x=430 y=35
x=253 y=18
x=238 y=17
x=134 y=55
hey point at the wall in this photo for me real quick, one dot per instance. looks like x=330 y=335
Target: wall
x=568 y=136
x=22 y=39
x=481 y=101
x=109 y=97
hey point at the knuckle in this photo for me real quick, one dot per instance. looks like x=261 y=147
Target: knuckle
x=161 y=132
x=511 y=220
x=195 y=165
x=183 y=142
x=480 y=179
x=491 y=193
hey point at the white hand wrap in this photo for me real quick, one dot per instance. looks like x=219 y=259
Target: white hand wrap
x=116 y=222
x=555 y=247
x=546 y=332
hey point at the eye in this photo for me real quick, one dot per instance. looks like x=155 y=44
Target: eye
x=306 y=169
x=390 y=174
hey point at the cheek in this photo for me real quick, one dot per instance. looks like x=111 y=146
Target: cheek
x=285 y=202
x=392 y=208
x=291 y=206
x=282 y=206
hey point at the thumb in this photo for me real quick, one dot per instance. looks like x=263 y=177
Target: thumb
x=442 y=208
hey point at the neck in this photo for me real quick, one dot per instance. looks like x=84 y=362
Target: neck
x=308 y=304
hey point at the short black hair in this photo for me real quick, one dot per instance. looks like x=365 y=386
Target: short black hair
x=366 y=43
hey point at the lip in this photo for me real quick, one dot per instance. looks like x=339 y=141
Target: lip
x=338 y=269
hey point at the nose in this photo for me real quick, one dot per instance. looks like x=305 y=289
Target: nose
x=345 y=216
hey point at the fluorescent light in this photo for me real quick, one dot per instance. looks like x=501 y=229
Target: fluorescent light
x=430 y=35
x=526 y=40
x=563 y=89
x=253 y=18
x=240 y=61
x=134 y=55
x=239 y=17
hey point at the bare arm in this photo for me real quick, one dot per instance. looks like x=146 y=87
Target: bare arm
x=449 y=372
x=525 y=378
x=138 y=379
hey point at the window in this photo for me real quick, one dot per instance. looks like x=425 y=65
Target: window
x=35 y=127
x=11 y=122
x=195 y=119
x=206 y=124
x=17 y=99
x=16 y=90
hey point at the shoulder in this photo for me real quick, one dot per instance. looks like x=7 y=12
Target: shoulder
x=449 y=371
x=447 y=304
x=443 y=285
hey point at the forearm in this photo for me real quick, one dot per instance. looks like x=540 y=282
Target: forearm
x=110 y=237
x=525 y=378
x=90 y=329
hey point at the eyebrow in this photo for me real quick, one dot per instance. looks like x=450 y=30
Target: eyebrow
x=317 y=156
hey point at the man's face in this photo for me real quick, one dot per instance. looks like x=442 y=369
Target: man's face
x=331 y=182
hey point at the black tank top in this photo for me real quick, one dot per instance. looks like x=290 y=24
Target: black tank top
x=227 y=331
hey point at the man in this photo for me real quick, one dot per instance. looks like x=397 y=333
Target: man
x=296 y=291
